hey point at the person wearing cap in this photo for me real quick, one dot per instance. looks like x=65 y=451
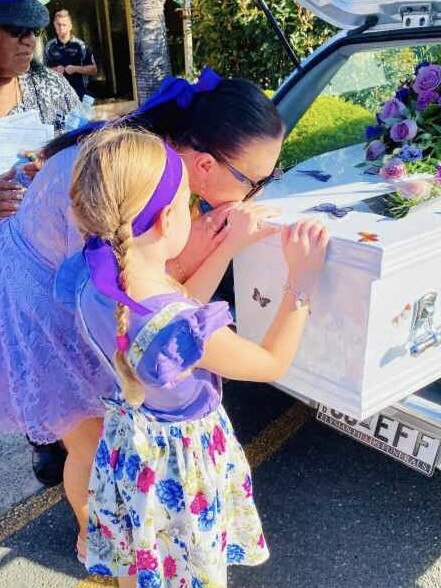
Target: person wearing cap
x=26 y=85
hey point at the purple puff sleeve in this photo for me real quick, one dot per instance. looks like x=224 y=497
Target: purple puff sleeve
x=180 y=344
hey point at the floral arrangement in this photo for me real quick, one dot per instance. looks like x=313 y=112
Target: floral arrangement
x=407 y=140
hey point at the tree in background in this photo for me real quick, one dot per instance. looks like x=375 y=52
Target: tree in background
x=234 y=37
x=152 y=62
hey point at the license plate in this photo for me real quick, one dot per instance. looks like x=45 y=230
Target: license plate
x=415 y=449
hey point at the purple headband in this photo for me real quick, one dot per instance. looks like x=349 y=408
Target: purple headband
x=99 y=255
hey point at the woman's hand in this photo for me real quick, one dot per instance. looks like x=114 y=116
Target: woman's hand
x=247 y=223
x=304 y=246
x=205 y=236
x=11 y=194
x=32 y=168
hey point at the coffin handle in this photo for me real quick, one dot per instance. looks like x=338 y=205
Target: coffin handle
x=423 y=335
x=419 y=347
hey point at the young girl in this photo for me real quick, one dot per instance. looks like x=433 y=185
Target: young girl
x=170 y=497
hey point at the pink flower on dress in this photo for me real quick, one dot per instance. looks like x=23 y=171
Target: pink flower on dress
x=132 y=570
x=186 y=442
x=219 y=439
x=106 y=531
x=261 y=541
x=145 y=560
x=198 y=504
x=247 y=486
x=145 y=479
x=169 y=567
x=223 y=540
x=114 y=458
x=218 y=443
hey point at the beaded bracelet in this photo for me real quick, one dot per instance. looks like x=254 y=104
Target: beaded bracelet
x=300 y=299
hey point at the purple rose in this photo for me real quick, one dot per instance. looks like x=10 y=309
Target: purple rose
x=403 y=131
x=410 y=153
x=428 y=78
x=392 y=109
x=425 y=98
x=394 y=169
x=375 y=149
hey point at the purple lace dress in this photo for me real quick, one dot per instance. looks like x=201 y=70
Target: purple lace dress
x=50 y=379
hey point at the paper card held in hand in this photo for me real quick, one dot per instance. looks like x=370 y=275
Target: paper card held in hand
x=21 y=132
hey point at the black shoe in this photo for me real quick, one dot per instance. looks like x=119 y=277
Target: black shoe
x=48 y=463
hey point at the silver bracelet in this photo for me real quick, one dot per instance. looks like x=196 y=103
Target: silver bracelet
x=300 y=299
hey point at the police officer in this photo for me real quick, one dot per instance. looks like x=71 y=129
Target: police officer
x=68 y=55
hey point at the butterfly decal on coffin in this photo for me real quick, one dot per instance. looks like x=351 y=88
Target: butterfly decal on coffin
x=366 y=237
x=333 y=210
x=262 y=300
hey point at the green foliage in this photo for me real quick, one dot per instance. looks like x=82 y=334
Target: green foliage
x=235 y=38
x=330 y=123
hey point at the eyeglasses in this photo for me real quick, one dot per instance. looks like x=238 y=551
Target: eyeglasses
x=276 y=174
x=21 y=32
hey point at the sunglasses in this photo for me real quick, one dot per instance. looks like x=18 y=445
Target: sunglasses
x=255 y=187
x=21 y=32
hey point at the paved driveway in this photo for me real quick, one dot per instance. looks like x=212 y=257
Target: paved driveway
x=336 y=514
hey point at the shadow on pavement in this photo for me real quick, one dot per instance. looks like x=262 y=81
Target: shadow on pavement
x=339 y=515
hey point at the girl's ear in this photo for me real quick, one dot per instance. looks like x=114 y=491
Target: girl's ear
x=163 y=222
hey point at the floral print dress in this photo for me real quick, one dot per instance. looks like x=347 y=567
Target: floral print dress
x=171 y=501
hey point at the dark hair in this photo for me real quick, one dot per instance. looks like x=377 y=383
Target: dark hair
x=219 y=122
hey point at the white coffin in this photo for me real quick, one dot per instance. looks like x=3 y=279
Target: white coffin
x=363 y=345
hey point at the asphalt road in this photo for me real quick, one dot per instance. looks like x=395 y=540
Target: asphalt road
x=336 y=514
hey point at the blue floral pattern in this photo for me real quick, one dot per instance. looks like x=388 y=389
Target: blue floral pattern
x=170 y=494
x=171 y=514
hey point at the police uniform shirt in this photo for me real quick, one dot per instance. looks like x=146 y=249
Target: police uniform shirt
x=74 y=52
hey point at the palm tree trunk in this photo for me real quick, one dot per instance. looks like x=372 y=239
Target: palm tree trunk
x=152 y=61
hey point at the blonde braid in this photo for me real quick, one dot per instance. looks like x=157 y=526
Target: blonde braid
x=109 y=188
x=132 y=388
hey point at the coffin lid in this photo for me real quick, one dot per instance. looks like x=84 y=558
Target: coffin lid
x=349 y=14
x=401 y=243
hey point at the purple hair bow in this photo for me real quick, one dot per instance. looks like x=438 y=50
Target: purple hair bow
x=181 y=91
x=99 y=255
